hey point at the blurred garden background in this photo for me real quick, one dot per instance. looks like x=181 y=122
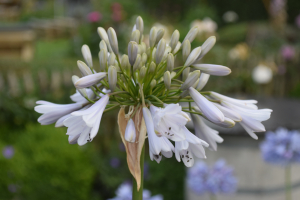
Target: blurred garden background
x=40 y=42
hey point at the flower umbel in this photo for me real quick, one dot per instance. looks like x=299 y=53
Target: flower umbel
x=146 y=81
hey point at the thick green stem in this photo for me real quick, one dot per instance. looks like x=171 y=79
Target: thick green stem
x=138 y=194
x=288 y=189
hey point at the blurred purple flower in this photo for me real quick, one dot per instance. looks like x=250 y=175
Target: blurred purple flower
x=115 y=162
x=8 y=152
x=94 y=16
x=282 y=147
x=288 y=52
x=297 y=21
x=12 y=188
x=124 y=192
x=215 y=180
x=122 y=147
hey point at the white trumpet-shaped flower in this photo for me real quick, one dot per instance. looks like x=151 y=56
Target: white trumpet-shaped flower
x=130 y=133
x=78 y=98
x=92 y=116
x=169 y=121
x=90 y=80
x=208 y=108
x=187 y=149
x=206 y=133
x=52 y=112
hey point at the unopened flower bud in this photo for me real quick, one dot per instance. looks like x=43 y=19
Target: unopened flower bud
x=193 y=56
x=185 y=73
x=84 y=69
x=140 y=49
x=191 y=79
x=81 y=91
x=125 y=61
x=144 y=58
x=90 y=80
x=167 y=80
x=192 y=34
x=139 y=25
x=152 y=36
x=111 y=59
x=196 y=83
x=143 y=72
x=170 y=62
x=130 y=133
x=153 y=83
x=174 y=39
x=202 y=81
x=135 y=36
x=184 y=93
x=137 y=62
x=113 y=40
x=86 y=52
x=161 y=47
x=167 y=51
x=186 y=49
x=177 y=48
x=153 y=53
x=173 y=74
x=206 y=47
x=216 y=70
x=144 y=47
x=132 y=52
x=103 y=35
x=159 y=35
x=103 y=59
x=102 y=45
x=112 y=78
x=152 y=67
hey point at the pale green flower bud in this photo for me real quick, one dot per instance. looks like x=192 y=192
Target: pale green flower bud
x=153 y=53
x=130 y=133
x=137 y=62
x=174 y=39
x=135 y=36
x=191 y=79
x=191 y=34
x=186 y=49
x=153 y=83
x=113 y=40
x=161 y=47
x=139 y=25
x=111 y=59
x=152 y=67
x=144 y=58
x=124 y=61
x=193 y=56
x=81 y=91
x=167 y=51
x=173 y=74
x=102 y=45
x=84 y=69
x=86 y=52
x=103 y=35
x=152 y=36
x=143 y=72
x=144 y=47
x=177 y=48
x=196 y=83
x=112 y=78
x=185 y=73
x=132 y=52
x=170 y=62
x=159 y=35
x=167 y=80
x=140 y=49
x=103 y=59
x=206 y=47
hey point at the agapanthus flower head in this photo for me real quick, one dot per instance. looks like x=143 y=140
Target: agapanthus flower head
x=218 y=179
x=145 y=83
x=8 y=152
x=124 y=192
x=281 y=147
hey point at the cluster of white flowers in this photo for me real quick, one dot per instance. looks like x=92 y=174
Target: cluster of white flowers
x=146 y=79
